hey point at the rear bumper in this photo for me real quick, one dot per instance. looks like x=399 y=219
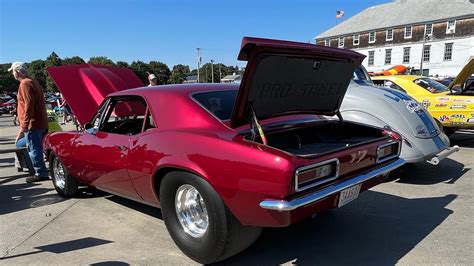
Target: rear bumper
x=282 y=205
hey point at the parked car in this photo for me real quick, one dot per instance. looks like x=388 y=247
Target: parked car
x=422 y=138
x=452 y=110
x=222 y=161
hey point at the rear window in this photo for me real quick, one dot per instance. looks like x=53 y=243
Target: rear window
x=219 y=103
x=430 y=85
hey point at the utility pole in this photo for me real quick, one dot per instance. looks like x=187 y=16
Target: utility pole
x=220 y=73
x=212 y=70
x=198 y=50
x=422 y=54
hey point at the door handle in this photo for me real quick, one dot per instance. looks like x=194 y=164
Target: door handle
x=121 y=147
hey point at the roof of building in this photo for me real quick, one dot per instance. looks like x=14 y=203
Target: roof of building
x=230 y=77
x=401 y=12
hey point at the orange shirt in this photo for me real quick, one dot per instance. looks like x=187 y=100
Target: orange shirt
x=31 y=105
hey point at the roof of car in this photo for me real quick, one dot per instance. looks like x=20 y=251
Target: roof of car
x=184 y=89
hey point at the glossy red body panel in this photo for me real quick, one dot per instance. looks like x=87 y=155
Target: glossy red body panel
x=85 y=86
x=189 y=138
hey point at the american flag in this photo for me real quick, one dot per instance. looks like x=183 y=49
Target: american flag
x=339 y=13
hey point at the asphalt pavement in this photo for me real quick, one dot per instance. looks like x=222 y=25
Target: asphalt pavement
x=423 y=215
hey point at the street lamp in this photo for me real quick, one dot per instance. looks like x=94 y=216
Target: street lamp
x=212 y=70
x=425 y=38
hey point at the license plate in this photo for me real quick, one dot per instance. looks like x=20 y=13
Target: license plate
x=348 y=195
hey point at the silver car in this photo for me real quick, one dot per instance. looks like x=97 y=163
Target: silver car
x=422 y=138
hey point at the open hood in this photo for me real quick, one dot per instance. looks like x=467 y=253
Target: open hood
x=285 y=77
x=465 y=73
x=85 y=86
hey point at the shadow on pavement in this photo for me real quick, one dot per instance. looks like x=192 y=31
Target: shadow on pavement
x=137 y=206
x=17 y=197
x=63 y=247
x=377 y=229
x=448 y=171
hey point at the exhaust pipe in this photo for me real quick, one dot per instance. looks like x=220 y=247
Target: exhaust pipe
x=443 y=155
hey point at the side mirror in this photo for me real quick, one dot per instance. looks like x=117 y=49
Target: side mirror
x=89 y=128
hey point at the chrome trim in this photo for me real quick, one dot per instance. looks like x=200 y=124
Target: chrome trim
x=437 y=158
x=283 y=205
x=377 y=160
x=316 y=165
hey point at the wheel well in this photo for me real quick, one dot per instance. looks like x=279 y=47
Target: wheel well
x=161 y=173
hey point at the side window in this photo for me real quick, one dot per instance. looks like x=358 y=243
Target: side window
x=124 y=116
x=149 y=122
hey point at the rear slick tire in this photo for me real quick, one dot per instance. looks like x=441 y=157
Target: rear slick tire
x=65 y=184
x=198 y=220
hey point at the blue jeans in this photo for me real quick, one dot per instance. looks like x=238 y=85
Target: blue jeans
x=33 y=141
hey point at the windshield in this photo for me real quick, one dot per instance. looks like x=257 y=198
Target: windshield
x=361 y=76
x=430 y=85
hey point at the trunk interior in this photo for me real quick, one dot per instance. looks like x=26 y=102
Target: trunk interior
x=322 y=138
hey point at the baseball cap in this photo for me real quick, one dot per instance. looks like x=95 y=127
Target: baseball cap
x=151 y=76
x=17 y=66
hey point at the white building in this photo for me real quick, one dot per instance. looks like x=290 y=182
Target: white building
x=393 y=34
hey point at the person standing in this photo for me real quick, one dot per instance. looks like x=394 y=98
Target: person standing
x=33 y=119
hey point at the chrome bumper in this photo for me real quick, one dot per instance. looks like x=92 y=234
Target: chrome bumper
x=443 y=155
x=282 y=205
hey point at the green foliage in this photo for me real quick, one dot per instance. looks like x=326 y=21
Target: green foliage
x=141 y=70
x=37 y=69
x=52 y=60
x=7 y=81
x=161 y=71
x=220 y=71
x=179 y=74
x=75 y=60
x=122 y=64
x=101 y=60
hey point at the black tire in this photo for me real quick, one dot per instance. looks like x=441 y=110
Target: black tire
x=70 y=186
x=449 y=131
x=224 y=237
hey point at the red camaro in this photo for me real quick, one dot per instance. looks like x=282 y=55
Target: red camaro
x=222 y=161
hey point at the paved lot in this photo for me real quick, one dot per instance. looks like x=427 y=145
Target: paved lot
x=425 y=215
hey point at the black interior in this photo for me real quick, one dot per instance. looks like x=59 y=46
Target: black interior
x=129 y=126
x=322 y=138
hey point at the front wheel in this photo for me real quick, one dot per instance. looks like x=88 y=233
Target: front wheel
x=198 y=220
x=64 y=184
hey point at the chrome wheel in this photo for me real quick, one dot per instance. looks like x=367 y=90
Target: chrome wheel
x=59 y=175
x=191 y=211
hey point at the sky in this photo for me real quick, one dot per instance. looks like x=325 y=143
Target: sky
x=160 y=30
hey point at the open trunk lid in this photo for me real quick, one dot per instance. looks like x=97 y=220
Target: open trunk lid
x=85 y=86
x=285 y=77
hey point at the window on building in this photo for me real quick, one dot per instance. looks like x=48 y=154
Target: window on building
x=356 y=39
x=340 y=42
x=429 y=29
x=451 y=26
x=327 y=42
x=426 y=53
x=389 y=35
x=448 y=51
x=388 y=56
x=371 y=58
x=372 y=37
x=406 y=55
x=408 y=32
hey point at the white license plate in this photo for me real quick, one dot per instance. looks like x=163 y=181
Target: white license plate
x=349 y=194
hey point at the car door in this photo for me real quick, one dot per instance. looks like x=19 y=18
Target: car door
x=101 y=151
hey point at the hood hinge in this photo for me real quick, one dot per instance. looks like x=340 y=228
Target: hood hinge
x=338 y=114
x=255 y=125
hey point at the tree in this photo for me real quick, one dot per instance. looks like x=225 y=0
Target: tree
x=161 y=71
x=141 y=70
x=122 y=64
x=52 y=60
x=179 y=74
x=37 y=69
x=7 y=81
x=73 y=60
x=101 y=60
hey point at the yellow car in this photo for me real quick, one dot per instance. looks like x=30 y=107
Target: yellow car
x=452 y=106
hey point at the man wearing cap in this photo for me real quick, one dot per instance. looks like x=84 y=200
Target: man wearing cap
x=33 y=119
x=152 y=79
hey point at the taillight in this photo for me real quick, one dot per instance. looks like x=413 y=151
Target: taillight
x=388 y=151
x=316 y=174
